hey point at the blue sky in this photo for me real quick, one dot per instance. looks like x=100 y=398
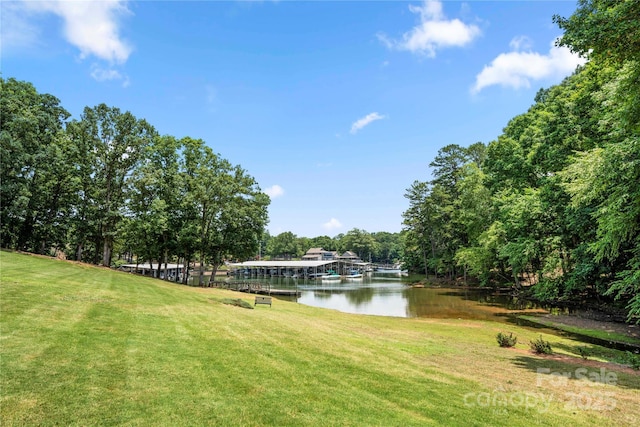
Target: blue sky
x=334 y=107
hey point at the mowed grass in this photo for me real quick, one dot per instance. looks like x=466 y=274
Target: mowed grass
x=82 y=345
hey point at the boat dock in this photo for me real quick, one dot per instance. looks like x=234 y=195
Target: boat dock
x=255 y=288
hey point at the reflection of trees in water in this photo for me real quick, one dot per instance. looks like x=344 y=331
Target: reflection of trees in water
x=355 y=297
x=496 y=299
x=437 y=303
x=360 y=296
x=464 y=304
x=322 y=294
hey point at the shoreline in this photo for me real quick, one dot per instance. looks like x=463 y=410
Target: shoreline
x=591 y=323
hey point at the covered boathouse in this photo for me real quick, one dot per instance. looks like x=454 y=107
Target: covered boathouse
x=308 y=269
x=174 y=271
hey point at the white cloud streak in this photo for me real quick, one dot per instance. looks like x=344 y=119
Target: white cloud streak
x=518 y=69
x=102 y=75
x=16 y=31
x=332 y=224
x=274 y=191
x=434 y=32
x=361 y=123
x=92 y=26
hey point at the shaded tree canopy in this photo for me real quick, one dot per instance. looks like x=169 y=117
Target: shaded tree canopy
x=108 y=182
x=554 y=202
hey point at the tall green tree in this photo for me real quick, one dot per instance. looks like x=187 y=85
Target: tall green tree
x=284 y=245
x=116 y=142
x=33 y=168
x=606 y=179
x=325 y=242
x=224 y=208
x=361 y=242
x=154 y=203
x=603 y=29
x=388 y=248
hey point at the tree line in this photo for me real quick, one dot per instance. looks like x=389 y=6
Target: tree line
x=108 y=184
x=554 y=201
x=378 y=247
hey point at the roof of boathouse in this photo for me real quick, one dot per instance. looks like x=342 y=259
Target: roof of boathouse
x=147 y=266
x=289 y=264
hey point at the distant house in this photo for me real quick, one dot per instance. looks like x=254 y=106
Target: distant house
x=319 y=254
x=350 y=256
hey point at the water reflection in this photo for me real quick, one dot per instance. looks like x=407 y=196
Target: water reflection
x=391 y=296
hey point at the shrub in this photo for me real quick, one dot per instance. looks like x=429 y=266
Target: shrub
x=540 y=346
x=633 y=360
x=238 y=302
x=584 y=352
x=505 y=340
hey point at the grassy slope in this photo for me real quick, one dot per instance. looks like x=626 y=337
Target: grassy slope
x=84 y=345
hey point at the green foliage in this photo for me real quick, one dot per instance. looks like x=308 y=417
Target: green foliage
x=361 y=242
x=285 y=245
x=505 y=340
x=108 y=182
x=584 y=352
x=553 y=202
x=603 y=29
x=34 y=169
x=633 y=360
x=540 y=346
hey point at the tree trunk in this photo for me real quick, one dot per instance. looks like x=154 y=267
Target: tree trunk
x=213 y=274
x=106 y=252
x=185 y=273
x=166 y=275
x=201 y=274
x=426 y=266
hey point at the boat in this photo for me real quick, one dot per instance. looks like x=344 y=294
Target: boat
x=353 y=275
x=395 y=270
x=331 y=275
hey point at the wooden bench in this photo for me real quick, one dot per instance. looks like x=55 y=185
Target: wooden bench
x=263 y=300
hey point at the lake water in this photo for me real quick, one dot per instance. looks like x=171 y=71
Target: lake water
x=386 y=295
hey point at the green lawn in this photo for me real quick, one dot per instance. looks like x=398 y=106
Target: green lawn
x=83 y=345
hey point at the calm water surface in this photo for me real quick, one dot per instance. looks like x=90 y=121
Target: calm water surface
x=391 y=296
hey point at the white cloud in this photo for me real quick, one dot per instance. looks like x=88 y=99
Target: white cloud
x=101 y=74
x=16 y=30
x=518 y=69
x=274 y=191
x=434 y=31
x=333 y=224
x=360 y=123
x=521 y=43
x=92 y=26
